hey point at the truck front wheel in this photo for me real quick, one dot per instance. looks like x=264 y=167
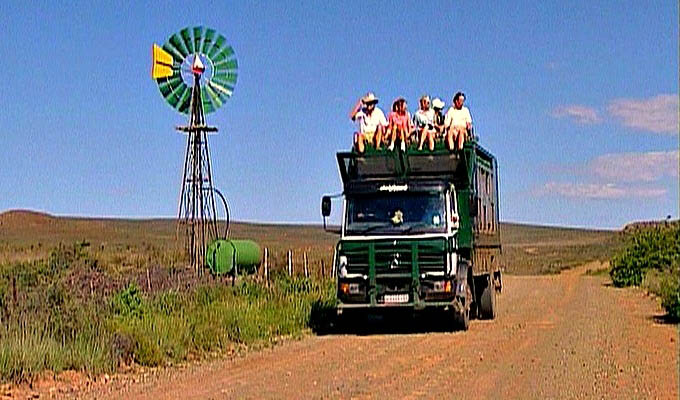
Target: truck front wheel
x=461 y=310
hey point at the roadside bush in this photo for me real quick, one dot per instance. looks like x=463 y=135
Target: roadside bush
x=653 y=248
x=129 y=302
x=670 y=294
x=658 y=249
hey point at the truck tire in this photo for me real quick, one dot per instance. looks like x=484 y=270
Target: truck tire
x=487 y=301
x=461 y=319
x=461 y=314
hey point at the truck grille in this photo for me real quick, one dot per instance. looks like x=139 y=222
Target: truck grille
x=396 y=258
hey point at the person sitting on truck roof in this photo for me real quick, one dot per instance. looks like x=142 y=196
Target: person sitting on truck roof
x=438 y=106
x=424 y=121
x=458 y=122
x=372 y=122
x=399 y=124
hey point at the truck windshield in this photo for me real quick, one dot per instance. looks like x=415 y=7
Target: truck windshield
x=389 y=213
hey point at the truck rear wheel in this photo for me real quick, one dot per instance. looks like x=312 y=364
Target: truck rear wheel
x=487 y=301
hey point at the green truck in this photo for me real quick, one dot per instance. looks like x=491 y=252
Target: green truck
x=419 y=231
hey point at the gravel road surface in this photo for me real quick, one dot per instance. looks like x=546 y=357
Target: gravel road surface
x=561 y=336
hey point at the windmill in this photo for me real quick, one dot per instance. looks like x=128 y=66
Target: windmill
x=195 y=70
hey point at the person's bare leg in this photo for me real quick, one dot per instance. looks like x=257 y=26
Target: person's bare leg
x=461 y=138
x=422 y=140
x=431 y=140
x=378 y=137
x=360 y=143
x=450 y=138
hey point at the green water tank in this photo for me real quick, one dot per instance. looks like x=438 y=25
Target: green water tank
x=222 y=255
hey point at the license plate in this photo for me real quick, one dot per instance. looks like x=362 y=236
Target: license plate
x=396 y=298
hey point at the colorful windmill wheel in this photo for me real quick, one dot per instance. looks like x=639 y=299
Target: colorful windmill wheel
x=195 y=52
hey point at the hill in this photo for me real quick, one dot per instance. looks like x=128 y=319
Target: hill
x=26 y=235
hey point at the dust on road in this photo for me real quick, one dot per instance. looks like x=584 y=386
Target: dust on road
x=560 y=336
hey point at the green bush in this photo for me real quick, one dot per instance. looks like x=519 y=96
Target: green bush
x=670 y=294
x=129 y=302
x=653 y=248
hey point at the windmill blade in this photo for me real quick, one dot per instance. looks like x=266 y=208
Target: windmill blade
x=169 y=85
x=208 y=106
x=176 y=41
x=217 y=47
x=225 y=79
x=184 y=102
x=226 y=68
x=176 y=96
x=198 y=38
x=186 y=39
x=216 y=99
x=221 y=87
x=177 y=57
x=223 y=55
x=208 y=41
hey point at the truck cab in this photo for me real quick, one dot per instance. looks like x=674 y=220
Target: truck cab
x=412 y=236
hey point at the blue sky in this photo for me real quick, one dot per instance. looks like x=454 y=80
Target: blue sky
x=579 y=103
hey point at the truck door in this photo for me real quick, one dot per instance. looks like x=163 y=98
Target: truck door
x=452 y=210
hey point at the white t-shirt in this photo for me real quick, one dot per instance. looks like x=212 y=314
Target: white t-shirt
x=423 y=118
x=458 y=118
x=369 y=123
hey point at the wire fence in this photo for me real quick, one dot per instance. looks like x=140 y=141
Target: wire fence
x=308 y=263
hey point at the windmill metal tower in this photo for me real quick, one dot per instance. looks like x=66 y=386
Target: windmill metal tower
x=196 y=72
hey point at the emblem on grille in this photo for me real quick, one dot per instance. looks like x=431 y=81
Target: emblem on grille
x=395 y=261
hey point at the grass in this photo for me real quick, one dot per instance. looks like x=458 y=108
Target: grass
x=48 y=323
x=531 y=250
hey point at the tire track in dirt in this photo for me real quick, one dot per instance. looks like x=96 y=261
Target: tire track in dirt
x=563 y=336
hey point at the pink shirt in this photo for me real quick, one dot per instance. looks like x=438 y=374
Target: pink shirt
x=400 y=120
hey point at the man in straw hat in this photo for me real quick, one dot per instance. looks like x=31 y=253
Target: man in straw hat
x=371 y=120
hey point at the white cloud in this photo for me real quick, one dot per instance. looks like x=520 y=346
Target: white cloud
x=635 y=167
x=599 y=190
x=656 y=114
x=579 y=113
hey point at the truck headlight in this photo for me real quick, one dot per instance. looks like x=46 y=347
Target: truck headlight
x=342 y=266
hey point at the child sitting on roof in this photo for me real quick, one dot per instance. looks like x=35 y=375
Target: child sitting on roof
x=399 y=124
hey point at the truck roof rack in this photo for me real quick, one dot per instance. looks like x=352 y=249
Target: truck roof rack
x=384 y=165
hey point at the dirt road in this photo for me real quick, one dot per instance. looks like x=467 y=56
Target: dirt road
x=563 y=336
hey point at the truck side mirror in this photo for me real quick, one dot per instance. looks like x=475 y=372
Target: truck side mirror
x=473 y=205
x=325 y=206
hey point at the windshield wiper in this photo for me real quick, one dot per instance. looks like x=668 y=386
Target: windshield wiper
x=372 y=228
x=418 y=225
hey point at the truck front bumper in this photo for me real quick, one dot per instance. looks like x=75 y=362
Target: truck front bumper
x=415 y=306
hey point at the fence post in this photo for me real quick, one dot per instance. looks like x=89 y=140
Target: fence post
x=304 y=261
x=266 y=265
x=290 y=262
x=332 y=266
